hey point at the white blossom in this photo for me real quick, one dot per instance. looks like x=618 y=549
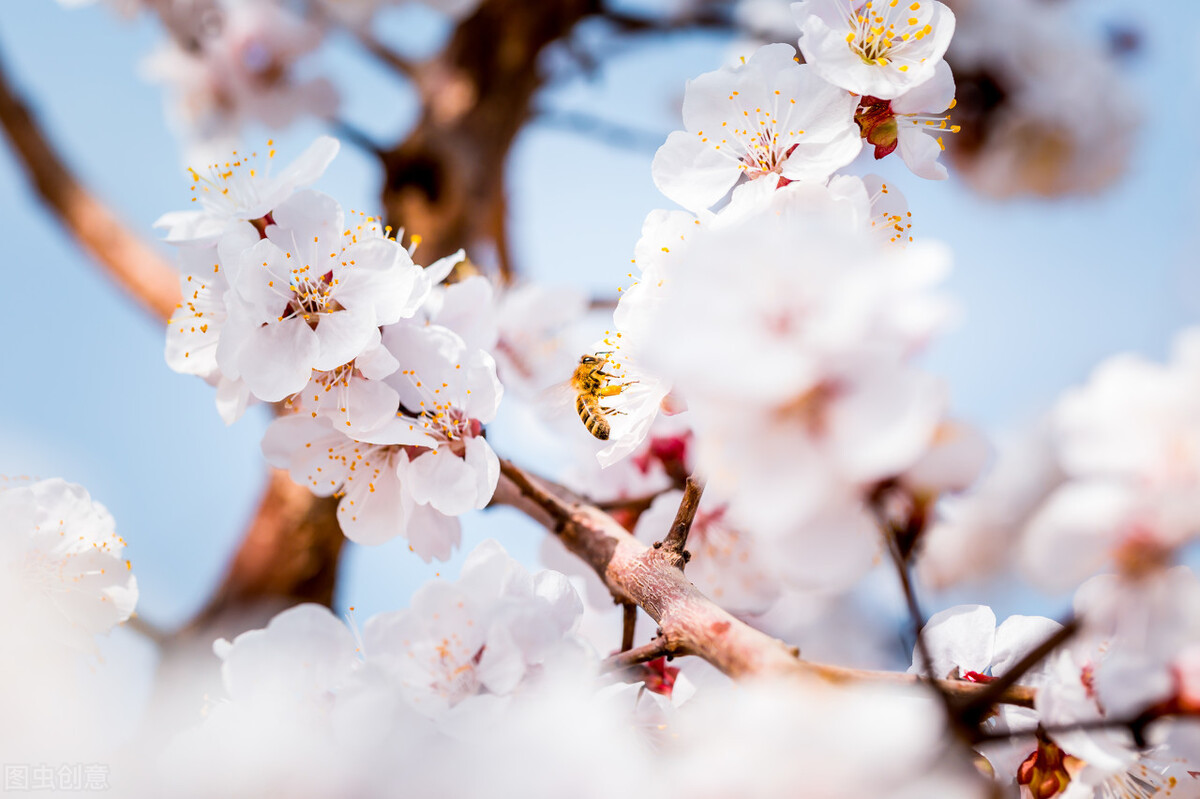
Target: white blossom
x=240 y=188
x=728 y=564
x=481 y=637
x=827 y=402
x=1048 y=110
x=768 y=117
x=1128 y=442
x=62 y=573
x=973 y=535
x=310 y=296
x=534 y=343
x=815 y=739
x=428 y=464
x=915 y=122
x=242 y=70
x=874 y=48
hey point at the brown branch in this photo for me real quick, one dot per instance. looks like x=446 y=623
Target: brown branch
x=446 y=179
x=150 y=632
x=636 y=505
x=628 y=625
x=710 y=16
x=355 y=136
x=916 y=617
x=613 y=134
x=900 y=560
x=602 y=304
x=1135 y=725
x=625 y=659
x=976 y=709
x=383 y=53
x=691 y=623
x=288 y=555
x=133 y=264
x=673 y=545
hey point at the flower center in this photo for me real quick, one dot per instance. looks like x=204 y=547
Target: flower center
x=1044 y=772
x=439 y=415
x=311 y=296
x=880 y=32
x=229 y=184
x=751 y=137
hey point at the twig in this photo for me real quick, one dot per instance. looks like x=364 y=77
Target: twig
x=628 y=626
x=657 y=648
x=383 y=53
x=916 y=617
x=611 y=133
x=549 y=503
x=636 y=505
x=701 y=18
x=673 y=545
x=356 y=136
x=1135 y=725
x=147 y=630
x=975 y=710
x=129 y=261
x=602 y=304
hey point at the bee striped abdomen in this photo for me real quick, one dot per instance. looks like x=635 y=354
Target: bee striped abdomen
x=592 y=416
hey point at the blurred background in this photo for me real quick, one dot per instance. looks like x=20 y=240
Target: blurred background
x=1046 y=285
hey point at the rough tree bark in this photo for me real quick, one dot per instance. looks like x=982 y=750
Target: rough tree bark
x=690 y=622
x=446 y=180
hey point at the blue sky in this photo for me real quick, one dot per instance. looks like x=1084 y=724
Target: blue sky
x=1046 y=289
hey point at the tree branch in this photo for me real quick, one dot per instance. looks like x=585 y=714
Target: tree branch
x=628 y=625
x=691 y=623
x=356 y=136
x=614 y=134
x=657 y=648
x=288 y=555
x=383 y=53
x=673 y=545
x=976 y=709
x=129 y=261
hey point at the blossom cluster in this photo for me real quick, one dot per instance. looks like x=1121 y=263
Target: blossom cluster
x=1107 y=483
x=767 y=342
x=382 y=374
x=64 y=583
x=453 y=695
x=784 y=308
x=229 y=63
x=1060 y=746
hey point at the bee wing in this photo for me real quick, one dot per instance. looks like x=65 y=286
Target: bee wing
x=558 y=399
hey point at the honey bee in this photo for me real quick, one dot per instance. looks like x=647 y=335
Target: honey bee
x=591 y=384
